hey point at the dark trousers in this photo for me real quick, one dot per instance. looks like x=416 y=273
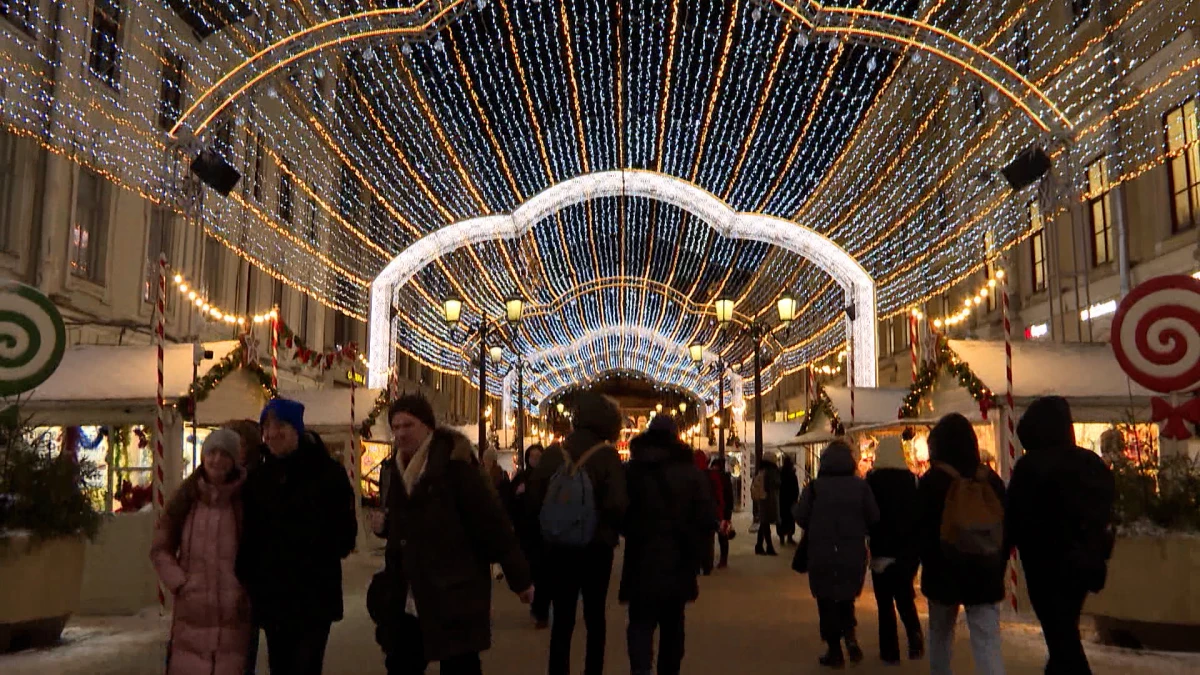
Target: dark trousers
x=297 y=649
x=894 y=593
x=644 y=618
x=404 y=653
x=723 y=542
x=1058 y=603
x=579 y=571
x=706 y=554
x=764 y=538
x=837 y=620
x=252 y=651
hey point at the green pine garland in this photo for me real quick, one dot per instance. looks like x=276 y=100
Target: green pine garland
x=381 y=404
x=200 y=389
x=820 y=404
x=946 y=362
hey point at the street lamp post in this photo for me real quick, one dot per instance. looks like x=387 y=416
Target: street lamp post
x=696 y=351
x=514 y=308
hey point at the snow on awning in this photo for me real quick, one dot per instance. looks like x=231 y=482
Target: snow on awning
x=872 y=405
x=774 y=433
x=330 y=408
x=1072 y=370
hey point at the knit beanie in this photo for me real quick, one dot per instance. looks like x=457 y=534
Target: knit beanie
x=222 y=440
x=287 y=411
x=417 y=406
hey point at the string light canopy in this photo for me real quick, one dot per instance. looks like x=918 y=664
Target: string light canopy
x=393 y=122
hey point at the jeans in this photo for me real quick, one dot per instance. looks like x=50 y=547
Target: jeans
x=296 y=649
x=579 y=571
x=837 y=620
x=405 y=652
x=894 y=593
x=984 y=623
x=644 y=617
x=764 y=538
x=1058 y=604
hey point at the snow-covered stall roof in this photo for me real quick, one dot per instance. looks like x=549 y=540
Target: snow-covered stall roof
x=872 y=405
x=330 y=408
x=774 y=433
x=1072 y=370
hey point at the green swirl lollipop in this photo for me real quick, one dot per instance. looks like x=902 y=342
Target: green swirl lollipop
x=32 y=338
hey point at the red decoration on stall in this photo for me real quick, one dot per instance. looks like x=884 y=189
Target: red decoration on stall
x=1156 y=334
x=1175 y=416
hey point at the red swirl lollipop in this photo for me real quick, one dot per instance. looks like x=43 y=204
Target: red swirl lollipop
x=1156 y=334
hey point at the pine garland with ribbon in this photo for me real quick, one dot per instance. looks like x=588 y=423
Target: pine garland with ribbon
x=381 y=404
x=322 y=360
x=235 y=360
x=820 y=404
x=946 y=362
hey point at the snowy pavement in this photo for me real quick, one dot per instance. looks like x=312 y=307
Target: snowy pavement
x=755 y=617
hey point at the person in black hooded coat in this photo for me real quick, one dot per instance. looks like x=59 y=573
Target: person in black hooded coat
x=1060 y=514
x=671 y=517
x=789 y=494
x=976 y=583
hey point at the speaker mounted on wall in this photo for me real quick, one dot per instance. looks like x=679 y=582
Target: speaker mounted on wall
x=1027 y=168
x=215 y=172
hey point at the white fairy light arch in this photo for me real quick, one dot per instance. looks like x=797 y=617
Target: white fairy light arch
x=856 y=283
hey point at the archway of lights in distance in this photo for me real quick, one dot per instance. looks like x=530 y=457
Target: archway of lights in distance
x=884 y=147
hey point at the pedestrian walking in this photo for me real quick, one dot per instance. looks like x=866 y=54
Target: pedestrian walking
x=764 y=490
x=671 y=519
x=836 y=511
x=1060 y=518
x=194 y=553
x=960 y=540
x=725 y=530
x=580 y=523
x=250 y=456
x=789 y=494
x=524 y=514
x=712 y=487
x=299 y=525
x=445 y=526
x=894 y=557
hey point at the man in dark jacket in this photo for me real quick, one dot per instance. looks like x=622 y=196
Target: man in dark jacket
x=727 y=499
x=1059 y=517
x=768 y=504
x=585 y=570
x=670 y=518
x=951 y=582
x=444 y=526
x=299 y=524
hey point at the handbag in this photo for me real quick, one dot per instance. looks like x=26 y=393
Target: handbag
x=800 y=557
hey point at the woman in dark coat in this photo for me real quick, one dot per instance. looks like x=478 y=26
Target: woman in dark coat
x=523 y=510
x=789 y=494
x=976 y=583
x=836 y=511
x=768 y=506
x=894 y=550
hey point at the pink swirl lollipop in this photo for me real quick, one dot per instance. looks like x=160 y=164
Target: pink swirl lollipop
x=1156 y=334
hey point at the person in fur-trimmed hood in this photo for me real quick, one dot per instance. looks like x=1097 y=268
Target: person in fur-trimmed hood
x=445 y=526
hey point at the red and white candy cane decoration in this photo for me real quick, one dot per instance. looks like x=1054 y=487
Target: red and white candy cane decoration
x=160 y=425
x=914 y=341
x=353 y=430
x=1009 y=412
x=275 y=349
x=1156 y=334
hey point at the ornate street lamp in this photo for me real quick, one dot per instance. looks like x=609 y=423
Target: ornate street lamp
x=514 y=308
x=724 y=308
x=696 y=351
x=496 y=352
x=787 y=308
x=452 y=309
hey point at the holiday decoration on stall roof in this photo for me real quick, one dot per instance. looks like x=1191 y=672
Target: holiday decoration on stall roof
x=36 y=338
x=381 y=404
x=946 y=362
x=236 y=359
x=1156 y=339
x=820 y=404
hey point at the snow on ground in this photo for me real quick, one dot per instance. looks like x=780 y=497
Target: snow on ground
x=1027 y=636
x=125 y=645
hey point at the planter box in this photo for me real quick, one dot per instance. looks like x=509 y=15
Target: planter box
x=39 y=589
x=1152 y=598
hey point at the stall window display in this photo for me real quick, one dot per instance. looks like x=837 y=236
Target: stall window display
x=122 y=454
x=1137 y=441
x=374 y=454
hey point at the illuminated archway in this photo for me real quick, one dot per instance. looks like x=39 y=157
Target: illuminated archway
x=856 y=283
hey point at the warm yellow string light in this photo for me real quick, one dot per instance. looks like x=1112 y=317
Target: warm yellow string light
x=968 y=305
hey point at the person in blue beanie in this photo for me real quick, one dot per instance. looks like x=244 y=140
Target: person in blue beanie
x=299 y=524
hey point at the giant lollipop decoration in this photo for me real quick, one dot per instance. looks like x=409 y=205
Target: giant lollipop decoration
x=1156 y=339
x=32 y=338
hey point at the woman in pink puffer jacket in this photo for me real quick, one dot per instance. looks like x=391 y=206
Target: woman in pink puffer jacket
x=195 y=547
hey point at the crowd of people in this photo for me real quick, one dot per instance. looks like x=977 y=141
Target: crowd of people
x=253 y=541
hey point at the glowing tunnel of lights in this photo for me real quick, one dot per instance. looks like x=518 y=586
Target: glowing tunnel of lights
x=701 y=383
x=854 y=280
x=431 y=15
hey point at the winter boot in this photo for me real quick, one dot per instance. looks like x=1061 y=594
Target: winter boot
x=853 y=652
x=833 y=657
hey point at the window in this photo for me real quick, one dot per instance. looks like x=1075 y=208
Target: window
x=304 y=315
x=257 y=184
x=1037 y=249
x=211 y=276
x=252 y=279
x=170 y=94
x=223 y=140
x=348 y=196
x=19 y=13
x=277 y=295
x=1100 y=211
x=905 y=332
x=89 y=231
x=377 y=223
x=1080 y=10
x=1183 y=145
x=978 y=108
x=285 y=193
x=310 y=229
x=1023 y=49
x=8 y=183
x=106 y=35
x=158 y=241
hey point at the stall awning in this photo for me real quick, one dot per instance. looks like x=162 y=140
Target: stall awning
x=1071 y=370
x=330 y=408
x=872 y=405
x=775 y=434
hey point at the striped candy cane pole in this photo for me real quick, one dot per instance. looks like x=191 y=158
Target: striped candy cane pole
x=160 y=335
x=353 y=430
x=275 y=349
x=1010 y=410
x=913 y=341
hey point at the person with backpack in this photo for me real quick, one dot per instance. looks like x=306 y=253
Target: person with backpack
x=764 y=490
x=581 y=487
x=894 y=550
x=444 y=526
x=1060 y=518
x=671 y=518
x=835 y=512
x=960 y=541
